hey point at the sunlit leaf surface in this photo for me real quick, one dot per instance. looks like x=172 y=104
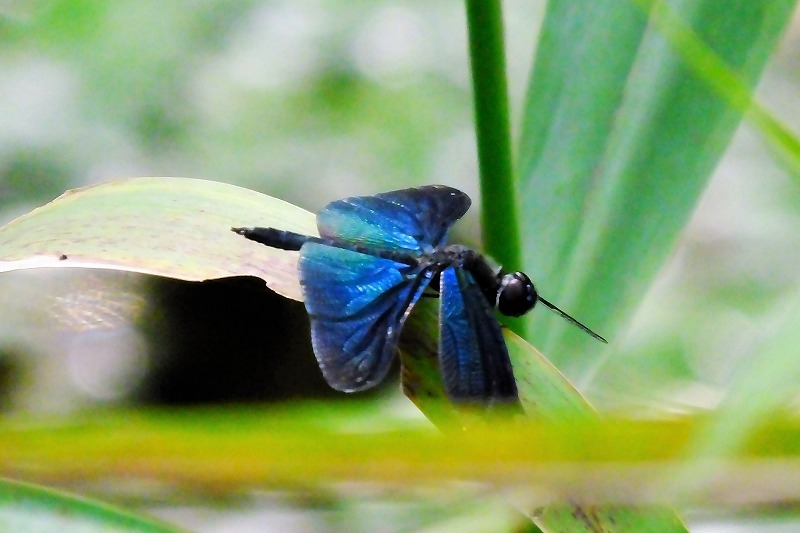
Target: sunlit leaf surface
x=173 y=227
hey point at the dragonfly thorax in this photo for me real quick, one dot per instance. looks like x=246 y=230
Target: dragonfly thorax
x=452 y=255
x=512 y=294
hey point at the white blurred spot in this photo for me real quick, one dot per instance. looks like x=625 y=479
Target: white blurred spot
x=107 y=365
x=392 y=43
x=277 y=48
x=37 y=98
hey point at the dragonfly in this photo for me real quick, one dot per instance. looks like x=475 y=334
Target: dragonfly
x=376 y=256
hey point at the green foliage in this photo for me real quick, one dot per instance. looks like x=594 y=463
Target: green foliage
x=620 y=136
x=628 y=111
x=164 y=226
x=26 y=507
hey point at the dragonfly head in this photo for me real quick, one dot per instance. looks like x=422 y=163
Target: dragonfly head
x=516 y=295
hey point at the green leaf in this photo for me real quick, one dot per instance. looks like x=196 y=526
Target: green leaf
x=27 y=507
x=172 y=227
x=608 y=461
x=620 y=135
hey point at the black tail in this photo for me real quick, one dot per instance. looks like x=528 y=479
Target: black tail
x=276 y=238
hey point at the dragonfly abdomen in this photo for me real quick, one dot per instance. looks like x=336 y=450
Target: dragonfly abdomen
x=276 y=238
x=291 y=241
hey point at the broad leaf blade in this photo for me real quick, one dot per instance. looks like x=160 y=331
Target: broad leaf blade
x=574 y=92
x=173 y=227
x=611 y=174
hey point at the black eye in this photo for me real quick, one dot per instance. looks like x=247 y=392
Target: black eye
x=516 y=295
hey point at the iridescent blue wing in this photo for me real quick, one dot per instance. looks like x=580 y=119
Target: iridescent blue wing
x=357 y=304
x=474 y=358
x=411 y=220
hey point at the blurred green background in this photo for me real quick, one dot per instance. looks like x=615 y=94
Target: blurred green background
x=312 y=101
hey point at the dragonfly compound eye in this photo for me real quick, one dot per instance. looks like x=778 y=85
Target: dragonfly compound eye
x=516 y=295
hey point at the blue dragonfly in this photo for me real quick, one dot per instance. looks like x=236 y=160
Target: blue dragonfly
x=374 y=258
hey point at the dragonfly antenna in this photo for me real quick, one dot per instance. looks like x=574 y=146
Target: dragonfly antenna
x=571 y=320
